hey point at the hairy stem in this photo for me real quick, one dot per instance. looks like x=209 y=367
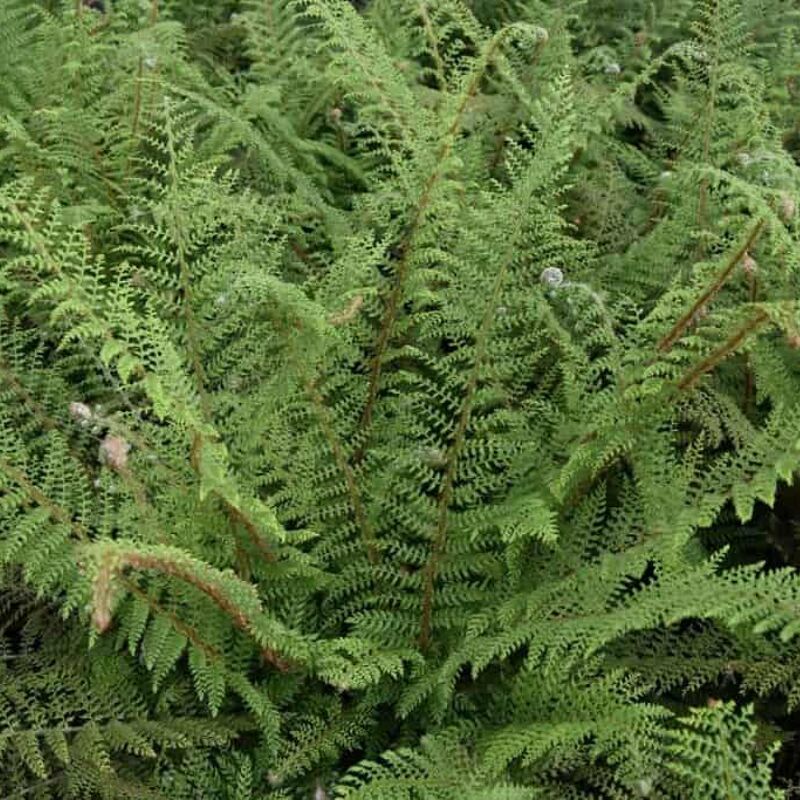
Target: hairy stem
x=186 y=630
x=112 y=564
x=397 y=293
x=38 y=497
x=446 y=491
x=722 y=352
x=680 y=327
x=362 y=520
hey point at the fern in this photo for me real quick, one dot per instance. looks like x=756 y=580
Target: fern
x=391 y=399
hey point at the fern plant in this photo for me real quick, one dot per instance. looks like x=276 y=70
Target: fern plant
x=386 y=395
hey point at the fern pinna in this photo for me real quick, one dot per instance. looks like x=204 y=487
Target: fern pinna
x=391 y=397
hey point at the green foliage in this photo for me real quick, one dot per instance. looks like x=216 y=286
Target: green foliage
x=391 y=399
x=718 y=742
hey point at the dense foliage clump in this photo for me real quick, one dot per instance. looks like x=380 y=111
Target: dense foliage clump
x=399 y=400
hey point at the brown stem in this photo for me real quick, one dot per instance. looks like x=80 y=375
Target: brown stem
x=722 y=352
x=311 y=385
x=749 y=387
x=192 y=329
x=138 y=491
x=362 y=520
x=749 y=376
x=390 y=317
x=164 y=566
x=401 y=273
x=57 y=512
x=236 y=514
x=187 y=630
x=147 y=562
x=198 y=370
x=711 y=291
x=252 y=531
x=38 y=411
x=446 y=491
